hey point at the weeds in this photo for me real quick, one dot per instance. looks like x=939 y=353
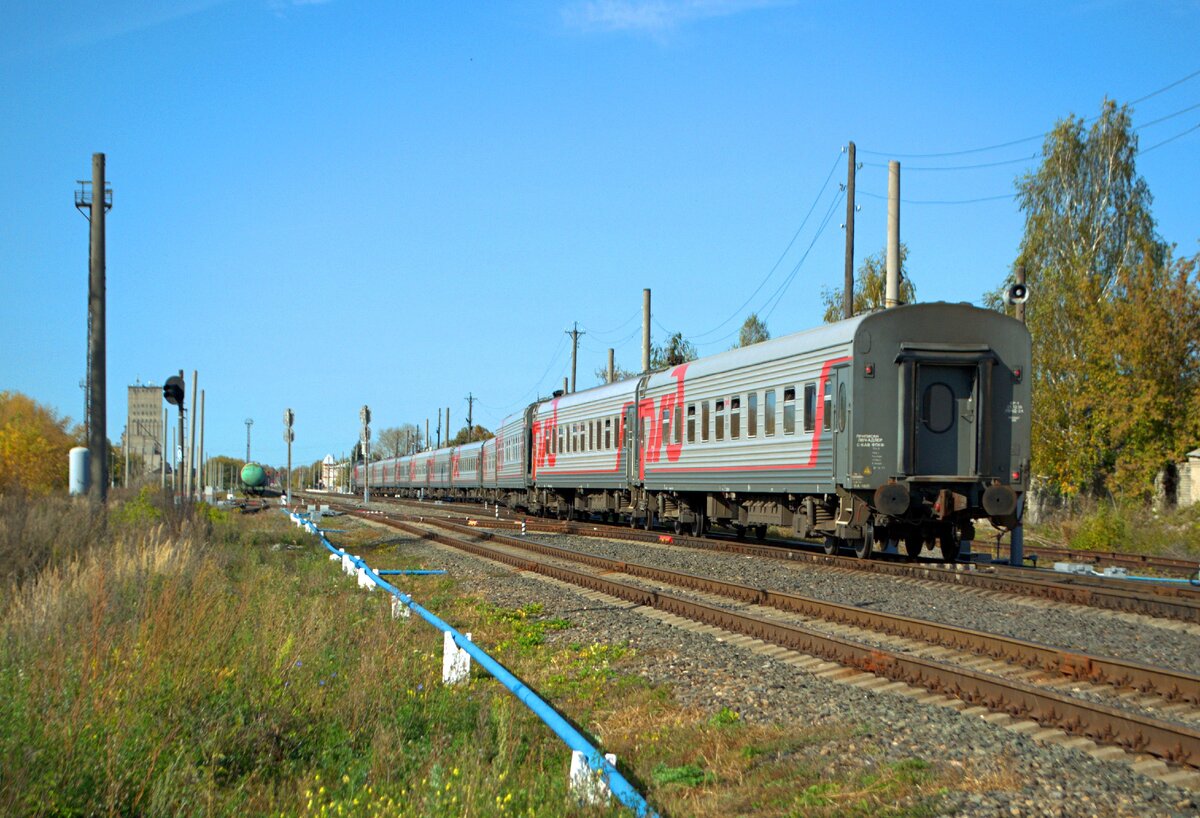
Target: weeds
x=172 y=662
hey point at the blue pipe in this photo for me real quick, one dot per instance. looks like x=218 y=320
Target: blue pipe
x=412 y=572
x=617 y=783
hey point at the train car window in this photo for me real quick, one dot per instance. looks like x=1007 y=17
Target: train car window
x=691 y=423
x=841 y=408
x=677 y=426
x=769 y=412
x=810 y=407
x=608 y=433
x=828 y=405
x=720 y=415
x=789 y=410
x=666 y=426
x=752 y=414
x=735 y=418
x=937 y=408
x=704 y=421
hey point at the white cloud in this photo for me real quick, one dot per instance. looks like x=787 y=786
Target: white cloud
x=653 y=16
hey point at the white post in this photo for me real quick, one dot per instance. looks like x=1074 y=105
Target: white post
x=456 y=662
x=589 y=785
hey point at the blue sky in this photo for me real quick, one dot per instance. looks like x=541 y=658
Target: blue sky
x=326 y=204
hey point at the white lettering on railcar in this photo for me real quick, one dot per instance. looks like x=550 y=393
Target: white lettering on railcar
x=1015 y=410
x=867 y=441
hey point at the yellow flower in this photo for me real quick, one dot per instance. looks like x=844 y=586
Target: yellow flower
x=345 y=779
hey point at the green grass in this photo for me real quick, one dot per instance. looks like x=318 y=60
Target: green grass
x=220 y=665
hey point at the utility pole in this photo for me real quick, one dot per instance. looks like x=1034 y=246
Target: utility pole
x=249 y=422
x=574 y=333
x=438 y=430
x=94 y=202
x=645 y=330
x=192 y=442
x=162 y=484
x=427 y=434
x=848 y=285
x=611 y=365
x=202 y=472
x=892 y=289
x=470 y=415
x=447 y=425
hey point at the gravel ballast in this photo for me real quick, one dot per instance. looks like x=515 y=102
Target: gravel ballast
x=708 y=673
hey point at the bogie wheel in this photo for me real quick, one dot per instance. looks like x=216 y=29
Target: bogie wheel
x=760 y=532
x=648 y=523
x=951 y=545
x=678 y=526
x=831 y=545
x=739 y=531
x=866 y=546
x=698 y=525
x=913 y=545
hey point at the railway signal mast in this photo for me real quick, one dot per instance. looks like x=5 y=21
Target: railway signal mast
x=289 y=418
x=364 y=415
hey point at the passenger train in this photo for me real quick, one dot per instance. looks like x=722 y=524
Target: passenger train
x=900 y=427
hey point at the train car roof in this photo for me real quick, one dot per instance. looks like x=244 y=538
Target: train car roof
x=826 y=335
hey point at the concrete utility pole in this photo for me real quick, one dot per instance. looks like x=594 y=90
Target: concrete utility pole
x=470 y=416
x=574 y=333
x=892 y=292
x=192 y=441
x=94 y=202
x=202 y=474
x=565 y=384
x=848 y=284
x=447 y=425
x=646 y=330
x=249 y=422
x=427 y=433
x=611 y=365
x=162 y=484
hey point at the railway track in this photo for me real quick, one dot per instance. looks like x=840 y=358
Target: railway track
x=1171 y=602
x=1046 y=554
x=1144 y=709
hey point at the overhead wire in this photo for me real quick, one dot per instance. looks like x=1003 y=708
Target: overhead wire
x=787 y=282
x=837 y=161
x=1011 y=142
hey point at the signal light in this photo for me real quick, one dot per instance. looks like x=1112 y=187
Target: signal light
x=1016 y=476
x=869 y=371
x=1016 y=374
x=173 y=390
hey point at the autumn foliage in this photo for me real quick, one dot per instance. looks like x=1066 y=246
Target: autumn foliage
x=34 y=444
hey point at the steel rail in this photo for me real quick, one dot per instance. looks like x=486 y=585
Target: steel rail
x=1165 y=603
x=1172 y=742
x=1170 y=684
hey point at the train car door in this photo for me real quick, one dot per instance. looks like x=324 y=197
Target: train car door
x=631 y=443
x=946 y=419
x=837 y=409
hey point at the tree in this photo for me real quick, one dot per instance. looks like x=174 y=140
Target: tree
x=753 y=331
x=34 y=446
x=619 y=374
x=397 y=441
x=1089 y=241
x=674 y=351
x=870 y=286
x=478 y=433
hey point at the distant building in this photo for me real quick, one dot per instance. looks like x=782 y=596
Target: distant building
x=332 y=474
x=143 y=426
x=1188 y=490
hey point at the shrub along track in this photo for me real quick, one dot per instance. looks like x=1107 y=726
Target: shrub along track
x=1133 y=731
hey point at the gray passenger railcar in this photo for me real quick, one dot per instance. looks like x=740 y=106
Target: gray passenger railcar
x=900 y=427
